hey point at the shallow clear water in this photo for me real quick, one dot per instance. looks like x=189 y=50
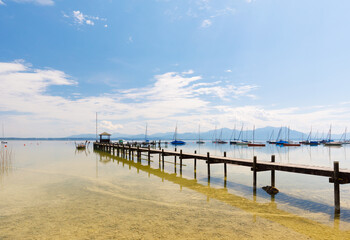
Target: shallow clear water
x=50 y=190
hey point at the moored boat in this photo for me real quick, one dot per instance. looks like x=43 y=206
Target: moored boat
x=176 y=141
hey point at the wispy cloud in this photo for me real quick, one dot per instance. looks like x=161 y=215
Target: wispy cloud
x=82 y=19
x=29 y=110
x=206 y=23
x=2 y=3
x=205 y=10
x=40 y=2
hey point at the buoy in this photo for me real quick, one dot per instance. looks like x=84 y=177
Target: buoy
x=24 y=145
x=5 y=145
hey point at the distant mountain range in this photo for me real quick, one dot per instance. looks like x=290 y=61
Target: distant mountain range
x=222 y=133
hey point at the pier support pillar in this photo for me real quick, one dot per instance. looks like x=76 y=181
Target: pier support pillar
x=273 y=158
x=138 y=154
x=149 y=155
x=181 y=162
x=225 y=172
x=163 y=159
x=195 y=165
x=254 y=172
x=336 y=188
x=208 y=165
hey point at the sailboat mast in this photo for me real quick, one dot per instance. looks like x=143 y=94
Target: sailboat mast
x=253 y=133
x=199 y=132
x=146 y=133
x=96 y=127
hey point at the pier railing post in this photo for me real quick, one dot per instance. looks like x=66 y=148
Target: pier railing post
x=336 y=187
x=225 y=172
x=181 y=162
x=149 y=155
x=195 y=165
x=138 y=154
x=175 y=161
x=163 y=159
x=254 y=171
x=208 y=165
x=273 y=158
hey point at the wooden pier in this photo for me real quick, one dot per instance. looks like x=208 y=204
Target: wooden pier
x=336 y=176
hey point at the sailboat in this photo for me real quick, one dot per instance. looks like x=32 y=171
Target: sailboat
x=254 y=144
x=287 y=143
x=234 y=141
x=270 y=139
x=241 y=141
x=199 y=136
x=214 y=137
x=146 y=138
x=330 y=142
x=309 y=141
x=220 y=141
x=175 y=141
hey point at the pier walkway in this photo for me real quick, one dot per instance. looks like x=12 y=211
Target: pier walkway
x=336 y=176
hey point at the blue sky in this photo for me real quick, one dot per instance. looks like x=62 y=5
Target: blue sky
x=261 y=62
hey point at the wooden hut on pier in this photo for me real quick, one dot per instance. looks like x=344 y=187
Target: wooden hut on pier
x=105 y=137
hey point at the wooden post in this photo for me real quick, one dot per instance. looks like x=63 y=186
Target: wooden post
x=195 y=165
x=254 y=172
x=336 y=187
x=113 y=150
x=163 y=159
x=225 y=167
x=225 y=172
x=273 y=158
x=129 y=152
x=138 y=154
x=175 y=161
x=208 y=165
x=181 y=162
x=149 y=155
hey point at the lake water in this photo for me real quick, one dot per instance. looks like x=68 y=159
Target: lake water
x=48 y=190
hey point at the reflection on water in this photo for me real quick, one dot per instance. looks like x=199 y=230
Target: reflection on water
x=57 y=192
x=5 y=162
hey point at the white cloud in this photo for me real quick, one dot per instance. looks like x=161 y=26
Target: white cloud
x=130 y=40
x=28 y=108
x=89 y=22
x=110 y=126
x=188 y=72
x=206 y=23
x=40 y=2
x=2 y=3
x=80 y=19
x=228 y=70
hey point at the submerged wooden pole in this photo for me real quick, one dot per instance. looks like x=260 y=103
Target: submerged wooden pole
x=208 y=164
x=149 y=154
x=195 y=161
x=163 y=159
x=181 y=161
x=225 y=167
x=138 y=154
x=336 y=187
x=273 y=172
x=254 y=172
x=225 y=172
